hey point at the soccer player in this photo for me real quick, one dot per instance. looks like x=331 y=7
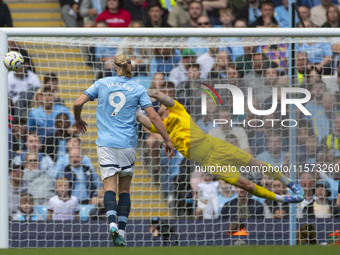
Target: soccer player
x=209 y=151
x=118 y=99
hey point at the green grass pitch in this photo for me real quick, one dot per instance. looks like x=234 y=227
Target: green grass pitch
x=212 y=250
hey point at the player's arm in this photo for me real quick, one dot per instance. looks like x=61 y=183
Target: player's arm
x=77 y=108
x=162 y=98
x=156 y=120
x=144 y=120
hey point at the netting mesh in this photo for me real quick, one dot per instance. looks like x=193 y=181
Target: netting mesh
x=191 y=207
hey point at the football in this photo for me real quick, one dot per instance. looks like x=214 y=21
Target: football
x=13 y=60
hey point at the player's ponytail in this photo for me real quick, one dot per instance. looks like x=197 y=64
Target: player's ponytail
x=123 y=62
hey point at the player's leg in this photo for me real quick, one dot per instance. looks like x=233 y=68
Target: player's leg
x=259 y=191
x=124 y=206
x=110 y=204
x=274 y=173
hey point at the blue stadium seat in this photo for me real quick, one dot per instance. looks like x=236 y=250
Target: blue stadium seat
x=84 y=212
x=41 y=210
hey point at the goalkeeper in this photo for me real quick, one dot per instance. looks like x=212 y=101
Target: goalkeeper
x=210 y=152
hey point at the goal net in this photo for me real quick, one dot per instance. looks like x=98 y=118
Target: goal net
x=177 y=197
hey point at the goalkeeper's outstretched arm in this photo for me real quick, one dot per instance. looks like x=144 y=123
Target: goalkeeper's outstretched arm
x=162 y=98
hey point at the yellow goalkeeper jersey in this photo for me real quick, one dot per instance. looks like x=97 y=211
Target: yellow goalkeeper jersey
x=185 y=135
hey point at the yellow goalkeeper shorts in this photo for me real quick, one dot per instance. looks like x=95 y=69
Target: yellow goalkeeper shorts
x=224 y=160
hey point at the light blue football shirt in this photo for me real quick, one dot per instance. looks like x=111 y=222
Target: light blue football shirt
x=118 y=100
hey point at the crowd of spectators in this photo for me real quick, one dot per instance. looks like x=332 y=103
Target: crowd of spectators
x=46 y=151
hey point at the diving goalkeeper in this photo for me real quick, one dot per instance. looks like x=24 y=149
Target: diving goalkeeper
x=209 y=151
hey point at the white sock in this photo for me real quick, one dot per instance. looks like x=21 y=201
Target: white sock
x=121 y=232
x=113 y=224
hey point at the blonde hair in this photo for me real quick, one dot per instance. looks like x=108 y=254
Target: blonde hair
x=123 y=62
x=36 y=102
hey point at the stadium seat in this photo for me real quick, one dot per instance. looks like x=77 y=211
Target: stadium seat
x=84 y=212
x=42 y=210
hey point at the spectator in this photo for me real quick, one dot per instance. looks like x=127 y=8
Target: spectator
x=40 y=182
x=322 y=206
x=212 y=7
x=242 y=207
x=235 y=5
x=208 y=59
x=207 y=202
x=21 y=86
x=192 y=42
x=63 y=206
x=205 y=122
x=256 y=78
x=163 y=60
x=115 y=15
x=218 y=69
x=226 y=193
x=307 y=182
x=249 y=12
x=267 y=18
x=70 y=13
x=304 y=12
x=314 y=106
x=179 y=73
x=187 y=91
x=33 y=145
x=272 y=76
x=155 y=16
x=26 y=210
x=55 y=145
x=282 y=14
x=333 y=16
x=309 y=155
x=16 y=185
x=234 y=76
x=83 y=179
x=235 y=50
x=179 y=14
x=63 y=160
x=274 y=153
x=274 y=209
x=323 y=122
x=5 y=15
x=226 y=17
x=137 y=9
x=303 y=67
x=98 y=212
x=224 y=131
x=244 y=62
x=51 y=79
x=19 y=135
x=320 y=54
x=331 y=141
x=139 y=57
x=90 y=9
x=195 y=11
x=170 y=168
x=42 y=119
x=318 y=13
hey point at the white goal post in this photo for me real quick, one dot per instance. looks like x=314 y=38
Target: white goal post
x=5 y=33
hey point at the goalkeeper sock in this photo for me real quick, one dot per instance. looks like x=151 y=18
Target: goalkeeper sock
x=272 y=172
x=123 y=210
x=110 y=205
x=262 y=192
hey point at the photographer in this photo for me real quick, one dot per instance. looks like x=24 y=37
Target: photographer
x=164 y=230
